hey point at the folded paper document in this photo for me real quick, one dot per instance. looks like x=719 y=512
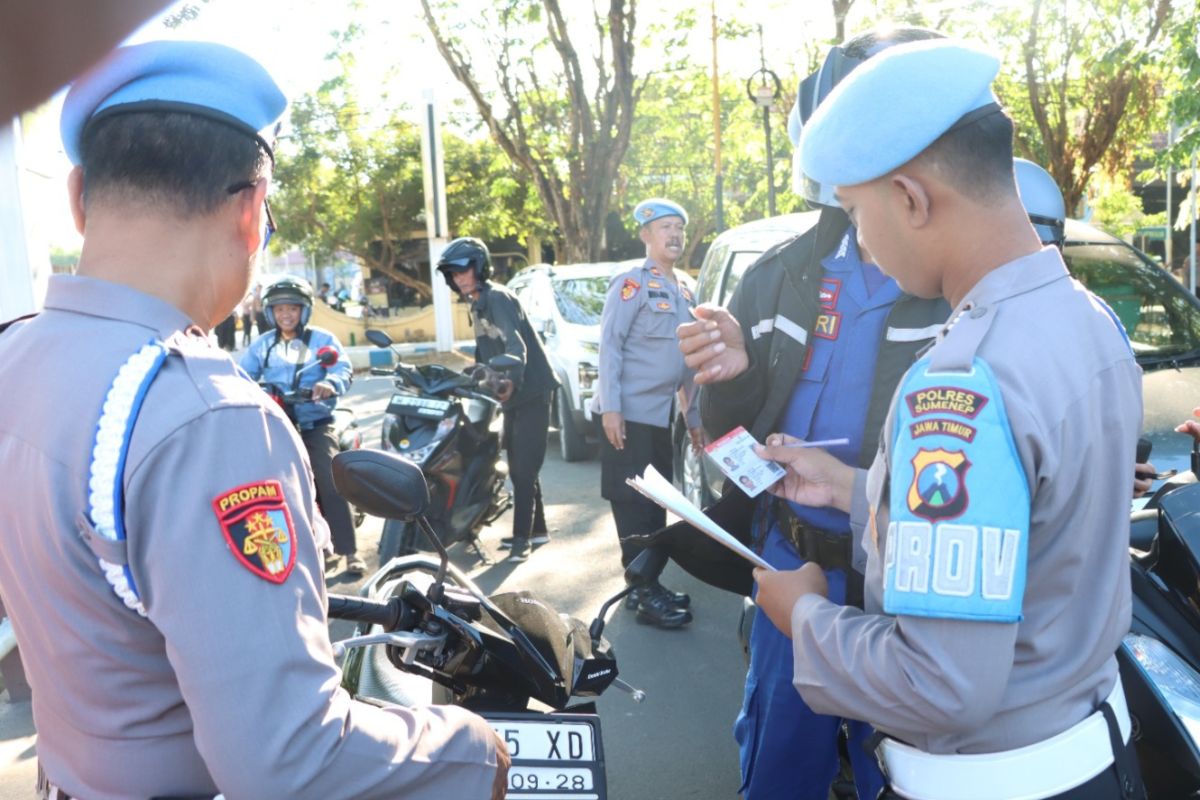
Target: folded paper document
x=654 y=486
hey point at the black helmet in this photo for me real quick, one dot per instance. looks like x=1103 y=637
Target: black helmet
x=463 y=253
x=838 y=63
x=290 y=290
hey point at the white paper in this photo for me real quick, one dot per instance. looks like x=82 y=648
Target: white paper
x=653 y=485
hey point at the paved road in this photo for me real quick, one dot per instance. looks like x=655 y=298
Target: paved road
x=675 y=745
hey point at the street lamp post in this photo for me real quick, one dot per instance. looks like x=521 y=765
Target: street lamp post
x=764 y=89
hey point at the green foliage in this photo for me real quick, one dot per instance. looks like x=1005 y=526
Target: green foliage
x=1119 y=211
x=349 y=180
x=1181 y=86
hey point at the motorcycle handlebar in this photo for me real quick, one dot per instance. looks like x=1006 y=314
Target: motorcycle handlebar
x=391 y=615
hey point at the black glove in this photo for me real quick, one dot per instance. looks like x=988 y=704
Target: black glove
x=700 y=555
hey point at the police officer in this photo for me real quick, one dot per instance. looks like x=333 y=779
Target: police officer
x=160 y=561
x=813 y=343
x=286 y=359
x=641 y=372
x=996 y=519
x=501 y=326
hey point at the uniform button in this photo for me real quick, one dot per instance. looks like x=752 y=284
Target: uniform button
x=978 y=312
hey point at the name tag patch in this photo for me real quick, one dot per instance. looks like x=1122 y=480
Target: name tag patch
x=828 y=325
x=945 y=400
x=258 y=528
x=942 y=427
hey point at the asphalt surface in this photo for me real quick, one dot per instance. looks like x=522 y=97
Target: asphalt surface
x=675 y=745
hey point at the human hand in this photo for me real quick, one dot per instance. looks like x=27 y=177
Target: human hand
x=699 y=439
x=503 y=762
x=713 y=345
x=504 y=390
x=1191 y=427
x=1143 y=478
x=614 y=428
x=322 y=390
x=779 y=591
x=814 y=478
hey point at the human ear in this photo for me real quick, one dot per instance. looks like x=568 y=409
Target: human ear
x=249 y=214
x=75 y=196
x=911 y=194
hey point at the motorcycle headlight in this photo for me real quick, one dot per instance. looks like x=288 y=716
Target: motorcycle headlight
x=1171 y=677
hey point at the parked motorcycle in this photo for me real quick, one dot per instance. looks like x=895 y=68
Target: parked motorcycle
x=448 y=424
x=437 y=629
x=1160 y=656
x=345 y=421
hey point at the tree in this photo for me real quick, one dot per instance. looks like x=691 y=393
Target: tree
x=566 y=137
x=350 y=181
x=1078 y=78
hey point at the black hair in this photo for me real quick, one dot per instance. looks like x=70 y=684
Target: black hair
x=976 y=158
x=182 y=161
x=867 y=44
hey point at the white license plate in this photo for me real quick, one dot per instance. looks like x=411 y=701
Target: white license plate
x=420 y=405
x=556 y=757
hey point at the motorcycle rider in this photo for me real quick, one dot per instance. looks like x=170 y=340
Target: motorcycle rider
x=501 y=326
x=160 y=562
x=286 y=358
x=987 y=649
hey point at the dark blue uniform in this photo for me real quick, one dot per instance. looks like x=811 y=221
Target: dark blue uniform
x=787 y=750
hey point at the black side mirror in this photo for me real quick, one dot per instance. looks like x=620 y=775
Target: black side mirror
x=381 y=484
x=378 y=337
x=504 y=362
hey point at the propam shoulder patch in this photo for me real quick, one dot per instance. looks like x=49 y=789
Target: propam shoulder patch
x=258 y=528
x=629 y=289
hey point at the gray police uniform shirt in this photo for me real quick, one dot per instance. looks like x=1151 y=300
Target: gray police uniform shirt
x=230 y=683
x=1072 y=392
x=641 y=367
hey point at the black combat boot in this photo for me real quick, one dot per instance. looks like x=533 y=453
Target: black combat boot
x=655 y=608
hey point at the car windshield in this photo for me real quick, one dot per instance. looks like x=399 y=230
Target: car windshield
x=580 y=300
x=1162 y=322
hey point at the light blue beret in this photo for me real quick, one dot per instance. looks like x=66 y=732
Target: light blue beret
x=649 y=210
x=202 y=78
x=893 y=106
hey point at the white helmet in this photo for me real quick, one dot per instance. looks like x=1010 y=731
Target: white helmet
x=1043 y=201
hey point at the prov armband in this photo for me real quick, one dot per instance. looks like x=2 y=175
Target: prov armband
x=958 y=536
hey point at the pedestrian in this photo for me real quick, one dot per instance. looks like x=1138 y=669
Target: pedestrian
x=260 y=318
x=641 y=374
x=501 y=326
x=286 y=360
x=842 y=334
x=160 y=557
x=246 y=309
x=986 y=653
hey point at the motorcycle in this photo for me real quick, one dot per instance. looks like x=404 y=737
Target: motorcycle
x=345 y=420
x=1160 y=656
x=427 y=622
x=448 y=424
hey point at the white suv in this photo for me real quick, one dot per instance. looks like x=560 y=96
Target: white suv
x=564 y=304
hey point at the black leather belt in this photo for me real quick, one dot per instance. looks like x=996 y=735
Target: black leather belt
x=830 y=550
